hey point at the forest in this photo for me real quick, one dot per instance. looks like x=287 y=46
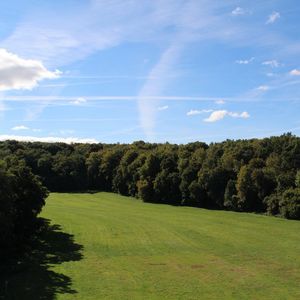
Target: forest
x=255 y=175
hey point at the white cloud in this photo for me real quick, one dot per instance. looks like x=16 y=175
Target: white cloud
x=163 y=107
x=243 y=115
x=66 y=131
x=273 y=17
x=20 y=127
x=220 y=102
x=295 y=72
x=23 y=127
x=263 y=88
x=78 y=101
x=18 y=73
x=270 y=74
x=272 y=63
x=238 y=11
x=194 y=112
x=218 y=115
x=245 y=62
x=68 y=140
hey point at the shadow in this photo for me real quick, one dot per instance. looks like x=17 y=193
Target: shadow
x=30 y=276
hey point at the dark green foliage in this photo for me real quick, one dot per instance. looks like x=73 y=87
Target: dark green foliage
x=213 y=182
x=254 y=183
x=272 y=203
x=243 y=175
x=289 y=204
x=22 y=197
x=145 y=190
x=197 y=197
x=166 y=188
x=297 y=182
x=230 y=196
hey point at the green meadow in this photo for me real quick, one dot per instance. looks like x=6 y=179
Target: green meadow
x=106 y=246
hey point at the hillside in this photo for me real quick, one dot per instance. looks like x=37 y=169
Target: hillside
x=106 y=246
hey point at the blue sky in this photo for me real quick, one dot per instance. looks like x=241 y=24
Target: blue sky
x=159 y=70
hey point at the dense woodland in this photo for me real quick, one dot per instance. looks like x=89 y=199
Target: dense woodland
x=257 y=175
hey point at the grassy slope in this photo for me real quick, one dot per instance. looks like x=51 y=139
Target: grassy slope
x=134 y=250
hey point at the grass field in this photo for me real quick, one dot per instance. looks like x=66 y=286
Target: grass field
x=105 y=246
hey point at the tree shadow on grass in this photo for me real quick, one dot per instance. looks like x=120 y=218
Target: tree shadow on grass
x=31 y=277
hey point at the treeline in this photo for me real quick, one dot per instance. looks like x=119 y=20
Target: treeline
x=22 y=197
x=257 y=175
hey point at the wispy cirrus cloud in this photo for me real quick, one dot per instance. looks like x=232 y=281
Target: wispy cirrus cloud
x=78 y=101
x=158 y=98
x=238 y=11
x=153 y=87
x=262 y=88
x=161 y=108
x=273 y=17
x=23 y=127
x=194 y=112
x=66 y=131
x=48 y=139
x=197 y=21
x=19 y=127
x=272 y=63
x=220 y=102
x=59 y=39
x=244 y=61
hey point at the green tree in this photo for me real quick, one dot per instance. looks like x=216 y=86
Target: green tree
x=289 y=205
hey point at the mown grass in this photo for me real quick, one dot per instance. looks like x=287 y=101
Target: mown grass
x=132 y=250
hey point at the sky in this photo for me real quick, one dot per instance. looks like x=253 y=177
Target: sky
x=154 y=70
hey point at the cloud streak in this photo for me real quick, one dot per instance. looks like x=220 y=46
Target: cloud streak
x=273 y=17
x=67 y=140
x=194 y=112
x=103 y=98
x=153 y=87
x=19 y=127
x=245 y=61
x=238 y=11
x=161 y=108
x=272 y=63
x=78 y=101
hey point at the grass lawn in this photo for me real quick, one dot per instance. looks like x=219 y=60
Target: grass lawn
x=105 y=246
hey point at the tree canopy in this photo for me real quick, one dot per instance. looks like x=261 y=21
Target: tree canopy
x=256 y=175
